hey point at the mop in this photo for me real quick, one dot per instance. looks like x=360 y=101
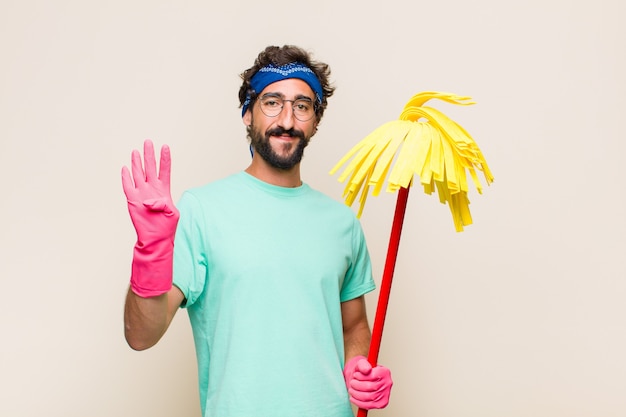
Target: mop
x=423 y=142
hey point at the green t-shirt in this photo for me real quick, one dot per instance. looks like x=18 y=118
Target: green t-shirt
x=264 y=270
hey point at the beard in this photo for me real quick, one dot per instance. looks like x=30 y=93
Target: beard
x=292 y=152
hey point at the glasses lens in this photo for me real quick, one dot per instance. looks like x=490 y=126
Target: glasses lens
x=303 y=109
x=271 y=106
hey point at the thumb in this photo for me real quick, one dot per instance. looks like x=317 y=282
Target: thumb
x=364 y=367
x=159 y=204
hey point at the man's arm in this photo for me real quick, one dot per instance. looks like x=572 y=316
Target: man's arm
x=356 y=330
x=152 y=300
x=147 y=319
x=368 y=387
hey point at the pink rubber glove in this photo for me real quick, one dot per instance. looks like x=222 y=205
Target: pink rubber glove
x=369 y=388
x=155 y=218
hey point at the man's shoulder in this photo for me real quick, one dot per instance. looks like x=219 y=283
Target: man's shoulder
x=332 y=204
x=215 y=186
x=216 y=192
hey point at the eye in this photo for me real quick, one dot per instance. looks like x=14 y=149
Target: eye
x=272 y=102
x=302 y=105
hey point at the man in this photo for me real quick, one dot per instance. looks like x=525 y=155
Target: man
x=272 y=272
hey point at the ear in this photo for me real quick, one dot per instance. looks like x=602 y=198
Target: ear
x=247 y=117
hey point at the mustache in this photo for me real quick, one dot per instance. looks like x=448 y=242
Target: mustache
x=279 y=131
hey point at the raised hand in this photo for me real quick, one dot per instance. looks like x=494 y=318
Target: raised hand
x=154 y=217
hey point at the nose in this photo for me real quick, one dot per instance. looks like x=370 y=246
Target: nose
x=286 y=117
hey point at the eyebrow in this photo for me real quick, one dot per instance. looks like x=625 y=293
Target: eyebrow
x=282 y=96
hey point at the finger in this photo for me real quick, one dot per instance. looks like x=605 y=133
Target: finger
x=149 y=160
x=364 y=387
x=361 y=404
x=127 y=183
x=380 y=372
x=138 y=175
x=368 y=404
x=371 y=395
x=357 y=376
x=165 y=165
x=365 y=396
x=163 y=205
x=364 y=367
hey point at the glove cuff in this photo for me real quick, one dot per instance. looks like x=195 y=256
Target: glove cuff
x=152 y=268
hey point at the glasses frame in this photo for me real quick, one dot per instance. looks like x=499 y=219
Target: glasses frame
x=293 y=105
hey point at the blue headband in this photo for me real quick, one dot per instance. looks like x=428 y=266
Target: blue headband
x=270 y=74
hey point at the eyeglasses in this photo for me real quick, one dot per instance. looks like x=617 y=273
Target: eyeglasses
x=272 y=105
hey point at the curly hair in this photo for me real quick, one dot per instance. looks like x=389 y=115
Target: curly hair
x=279 y=56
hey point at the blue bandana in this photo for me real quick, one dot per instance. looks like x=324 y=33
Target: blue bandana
x=270 y=74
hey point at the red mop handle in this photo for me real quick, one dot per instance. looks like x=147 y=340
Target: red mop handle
x=385 y=287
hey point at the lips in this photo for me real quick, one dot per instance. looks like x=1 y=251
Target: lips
x=286 y=135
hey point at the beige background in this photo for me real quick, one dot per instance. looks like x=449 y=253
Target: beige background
x=521 y=315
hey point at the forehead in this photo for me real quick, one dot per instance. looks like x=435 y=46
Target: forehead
x=290 y=87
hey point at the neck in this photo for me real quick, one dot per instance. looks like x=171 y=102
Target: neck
x=288 y=178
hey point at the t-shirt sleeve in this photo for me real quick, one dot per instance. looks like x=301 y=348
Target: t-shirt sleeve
x=358 y=280
x=190 y=261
